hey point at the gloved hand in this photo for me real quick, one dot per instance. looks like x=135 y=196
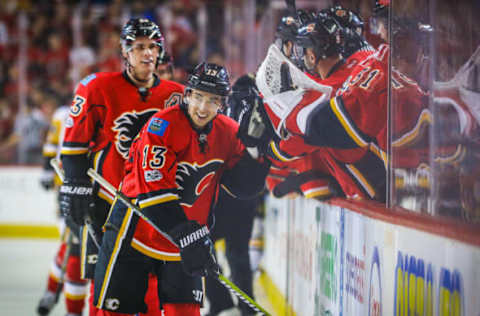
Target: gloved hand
x=46 y=179
x=76 y=198
x=196 y=248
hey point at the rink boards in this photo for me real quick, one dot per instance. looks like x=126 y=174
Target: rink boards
x=320 y=259
x=26 y=209
x=326 y=259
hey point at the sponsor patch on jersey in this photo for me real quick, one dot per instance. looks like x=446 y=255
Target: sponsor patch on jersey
x=157 y=126
x=85 y=81
x=152 y=175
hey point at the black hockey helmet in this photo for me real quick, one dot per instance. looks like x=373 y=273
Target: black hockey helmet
x=323 y=34
x=210 y=78
x=352 y=25
x=347 y=19
x=141 y=27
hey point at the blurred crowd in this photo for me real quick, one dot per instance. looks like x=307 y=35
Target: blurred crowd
x=46 y=47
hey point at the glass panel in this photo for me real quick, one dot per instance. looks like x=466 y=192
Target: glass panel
x=410 y=34
x=456 y=109
x=434 y=127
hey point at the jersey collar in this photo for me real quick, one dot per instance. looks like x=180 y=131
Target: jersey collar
x=336 y=66
x=156 y=82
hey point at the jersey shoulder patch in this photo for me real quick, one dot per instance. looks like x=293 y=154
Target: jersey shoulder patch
x=85 y=81
x=157 y=126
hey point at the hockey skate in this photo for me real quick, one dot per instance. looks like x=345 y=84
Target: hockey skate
x=46 y=303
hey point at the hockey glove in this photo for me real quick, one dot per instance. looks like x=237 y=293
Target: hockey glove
x=46 y=179
x=76 y=199
x=196 y=248
x=255 y=128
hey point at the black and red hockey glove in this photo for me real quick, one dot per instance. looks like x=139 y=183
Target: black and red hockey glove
x=196 y=248
x=76 y=199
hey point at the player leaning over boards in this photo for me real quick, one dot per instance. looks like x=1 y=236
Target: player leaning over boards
x=175 y=167
x=107 y=112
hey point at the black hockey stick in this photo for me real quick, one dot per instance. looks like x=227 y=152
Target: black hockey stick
x=88 y=221
x=218 y=276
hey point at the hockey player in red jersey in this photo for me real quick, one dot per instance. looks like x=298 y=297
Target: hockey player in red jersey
x=107 y=112
x=320 y=39
x=173 y=172
x=357 y=118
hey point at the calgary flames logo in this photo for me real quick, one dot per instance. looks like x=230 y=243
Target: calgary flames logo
x=193 y=179
x=127 y=127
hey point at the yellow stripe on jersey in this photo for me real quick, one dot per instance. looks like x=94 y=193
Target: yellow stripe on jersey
x=158 y=200
x=278 y=153
x=346 y=124
x=154 y=253
x=409 y=137
x=459 y=155
x=380 y=153
x=360 y=178
x=49 y=150
x=317 y=192
x=113 y=256
x=74 y=150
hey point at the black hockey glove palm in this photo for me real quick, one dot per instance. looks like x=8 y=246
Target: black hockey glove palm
x=196 y=248
x=255 y=128
x=76 y=199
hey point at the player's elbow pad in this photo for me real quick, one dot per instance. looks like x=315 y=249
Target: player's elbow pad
x=247 y=178
x=330 y=125
x=75 y=166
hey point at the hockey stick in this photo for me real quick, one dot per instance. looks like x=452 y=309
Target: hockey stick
x=218 y=276
x=88 y=221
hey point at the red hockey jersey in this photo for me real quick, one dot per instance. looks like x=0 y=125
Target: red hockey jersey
x=107 y=112
x=167 y=163
x=330 y=161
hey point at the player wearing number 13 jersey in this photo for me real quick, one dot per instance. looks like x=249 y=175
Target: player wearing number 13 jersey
x=173 y=172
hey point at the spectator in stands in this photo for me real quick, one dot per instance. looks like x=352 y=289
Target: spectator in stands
x=29 y=132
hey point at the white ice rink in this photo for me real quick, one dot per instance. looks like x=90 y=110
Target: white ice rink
x=24 y=265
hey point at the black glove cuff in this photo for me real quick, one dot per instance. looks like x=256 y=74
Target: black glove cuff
x=188 y=233
x=76 y=187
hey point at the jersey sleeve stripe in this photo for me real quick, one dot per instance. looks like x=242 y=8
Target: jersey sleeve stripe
x=49 y=150
x=73 y=148
x=73 y=151
x=159 y=199
x=317 y=192
x=154 y=253
x=337 y=108
x=411 y=136
x=279 y=154
x=459 y=155
x=361 y=179
x=379 y=153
